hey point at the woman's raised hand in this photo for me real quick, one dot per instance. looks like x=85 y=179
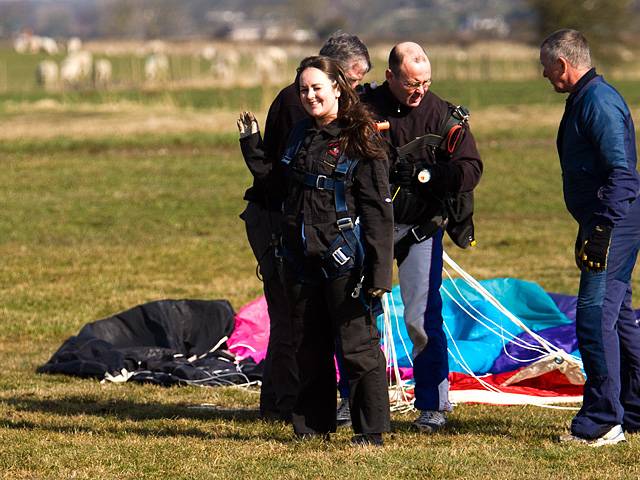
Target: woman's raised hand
x=247 y=124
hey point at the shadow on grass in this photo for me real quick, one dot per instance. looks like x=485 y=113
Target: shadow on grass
x=126 y=411
x=220 y=418
x=495 y=426
x=129 y=410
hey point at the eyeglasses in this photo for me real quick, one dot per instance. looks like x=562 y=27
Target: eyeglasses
x=417 y=84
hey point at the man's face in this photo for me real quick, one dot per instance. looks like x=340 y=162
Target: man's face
x=356 y=73
x=411 y=82
x=555 y=72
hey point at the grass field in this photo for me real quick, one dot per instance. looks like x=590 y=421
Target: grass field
x=109 y=202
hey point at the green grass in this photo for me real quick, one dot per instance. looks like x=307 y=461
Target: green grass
x=91 y=227
x=203 y=98
x=475 y=94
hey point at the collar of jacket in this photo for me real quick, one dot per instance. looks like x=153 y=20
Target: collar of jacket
x=333 y=129
x=586 y=78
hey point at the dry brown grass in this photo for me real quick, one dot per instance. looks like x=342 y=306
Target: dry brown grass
x=50 y=119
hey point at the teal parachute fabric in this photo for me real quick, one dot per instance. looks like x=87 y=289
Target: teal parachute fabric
x=472 y=340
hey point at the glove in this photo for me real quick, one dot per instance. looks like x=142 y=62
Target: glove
x=407 y=174
x=403 y=174
x=247 y=124
x=592 y=254
x=376 y=292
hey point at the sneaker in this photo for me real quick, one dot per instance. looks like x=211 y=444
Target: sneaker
x=343 y=414
x=367 y=440
x=613 y=436
x=430 y=420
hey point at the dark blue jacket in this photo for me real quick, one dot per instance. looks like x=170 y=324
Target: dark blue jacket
x=597 y=148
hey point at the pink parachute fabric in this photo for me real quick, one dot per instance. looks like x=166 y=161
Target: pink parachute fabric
x=251 y=333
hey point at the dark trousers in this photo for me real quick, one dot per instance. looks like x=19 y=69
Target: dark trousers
x=322 y=312
x=609 y=338
x=280 y=377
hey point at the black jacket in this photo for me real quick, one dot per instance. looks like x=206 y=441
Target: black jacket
x=451 y=174
x=285 y=111
x=313 y=211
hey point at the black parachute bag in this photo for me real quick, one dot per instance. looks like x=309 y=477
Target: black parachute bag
x=459 y=207
x=460 y=224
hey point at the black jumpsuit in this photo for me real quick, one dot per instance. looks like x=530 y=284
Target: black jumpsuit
x=323 y=308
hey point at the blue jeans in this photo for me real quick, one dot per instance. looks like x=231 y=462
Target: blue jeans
x=609 y=338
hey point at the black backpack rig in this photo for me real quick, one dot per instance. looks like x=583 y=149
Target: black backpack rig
x=457 y=220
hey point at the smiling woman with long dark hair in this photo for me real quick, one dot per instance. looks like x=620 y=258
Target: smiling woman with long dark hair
x=337 y=248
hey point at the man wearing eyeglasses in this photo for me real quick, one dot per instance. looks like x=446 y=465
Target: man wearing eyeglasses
x=421 y=182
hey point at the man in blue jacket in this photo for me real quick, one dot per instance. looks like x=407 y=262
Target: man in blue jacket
x=597 y=149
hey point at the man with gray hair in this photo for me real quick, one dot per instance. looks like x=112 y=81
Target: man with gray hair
x=597 y=149
x=262 y=218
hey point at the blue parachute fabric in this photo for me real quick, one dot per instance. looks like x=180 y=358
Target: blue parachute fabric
x=476 y=342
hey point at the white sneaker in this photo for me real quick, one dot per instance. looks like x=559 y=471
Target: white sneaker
x=343 y=414
x=613 y=436
x=430 y=420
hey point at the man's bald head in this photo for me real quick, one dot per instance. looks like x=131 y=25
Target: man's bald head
x=409 y=73
x=406 y=52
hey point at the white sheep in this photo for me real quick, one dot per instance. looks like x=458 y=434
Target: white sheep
x=49 y=46
x=156 y=68
x=74 y=44
x=76 y=69
x=47 y=74
x=102 y=73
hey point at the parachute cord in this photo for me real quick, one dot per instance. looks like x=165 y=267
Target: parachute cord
x=473 y=282
x=503 y=336
x=520 y=341
x=399 y=398
x=496 y=332
x=487 y=386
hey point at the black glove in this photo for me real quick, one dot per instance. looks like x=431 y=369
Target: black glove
x=592 y=254
x=403 y=175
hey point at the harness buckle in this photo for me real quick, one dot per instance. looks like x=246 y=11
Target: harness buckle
x=339 y=256
x=418 y=236
x=345 y=224
x=321 y=182
x=461 y=113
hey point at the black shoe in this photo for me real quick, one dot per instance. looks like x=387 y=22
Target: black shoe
x=368 y=440
x=325 y=437
x=274 y=416
x=343 y=415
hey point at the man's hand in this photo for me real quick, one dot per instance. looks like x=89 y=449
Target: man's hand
x=376 y=292
x=592 y=254
x=247 y=124
x=404 y=174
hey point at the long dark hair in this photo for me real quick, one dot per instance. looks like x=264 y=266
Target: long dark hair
x=360 y=137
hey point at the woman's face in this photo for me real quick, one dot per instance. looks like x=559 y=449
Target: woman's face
x=319 y=95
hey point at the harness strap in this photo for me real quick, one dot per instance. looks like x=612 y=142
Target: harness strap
x=450 y=134
x=417 y=234
x=343 y=171
x=313 y=180
x=296 y=138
